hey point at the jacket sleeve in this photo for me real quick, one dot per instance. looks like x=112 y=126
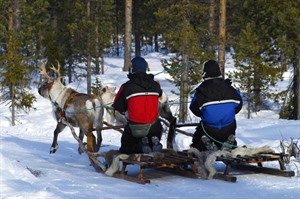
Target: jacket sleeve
x=120 y=102
x=239 y=107
x=194 y=106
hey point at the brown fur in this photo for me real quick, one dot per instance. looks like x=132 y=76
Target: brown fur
x=80 y=110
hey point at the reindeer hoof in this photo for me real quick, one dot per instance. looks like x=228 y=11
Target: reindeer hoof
x=80 y=151
x=53 y=149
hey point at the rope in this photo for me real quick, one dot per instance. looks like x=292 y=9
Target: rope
x=217 y=141
x=79 y=111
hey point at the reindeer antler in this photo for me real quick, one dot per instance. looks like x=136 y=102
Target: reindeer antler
x=56 y=70
x=43 y=71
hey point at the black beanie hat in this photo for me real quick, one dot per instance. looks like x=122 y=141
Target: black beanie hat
x=138 y=64
x=211 y=69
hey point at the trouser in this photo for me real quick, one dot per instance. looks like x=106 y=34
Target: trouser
x=219 y=135
x=131 y=144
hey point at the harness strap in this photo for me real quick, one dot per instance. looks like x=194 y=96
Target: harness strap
x=61 y=111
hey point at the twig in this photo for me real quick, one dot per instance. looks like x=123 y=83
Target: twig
x=189 y=124
x=110 y=126
x=184 y=132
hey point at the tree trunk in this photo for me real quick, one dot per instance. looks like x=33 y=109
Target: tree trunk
x=156 y=42
x=257 y=89
x=13 y=107
x=222 y=35
x=297 y=87
x=128 y=30
x=89 y=59
x=211 y=25
x=136 y=28
x=97 y=63
x=13 y=25
x=184 y=90
x=102 y=64
x=137 y=42
x=249 y=100
x=116 y=40
x=97 y=51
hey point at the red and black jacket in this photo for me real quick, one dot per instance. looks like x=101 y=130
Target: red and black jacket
x=139 y=97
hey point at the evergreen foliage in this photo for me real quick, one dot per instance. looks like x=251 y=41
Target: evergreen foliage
x=263 y=36
x=259 y=41
x=15 y=79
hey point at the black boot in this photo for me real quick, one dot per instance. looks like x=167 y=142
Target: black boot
x=229 y=144
x=156 y=145
x=209 y=144
x=145 y=145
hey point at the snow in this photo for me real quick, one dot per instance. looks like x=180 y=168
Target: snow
x=27 y=170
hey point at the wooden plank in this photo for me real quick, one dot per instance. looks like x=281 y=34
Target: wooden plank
x=228 y=178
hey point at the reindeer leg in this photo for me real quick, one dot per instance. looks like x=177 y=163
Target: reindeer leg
x=90 y=138
x=99 y=131
x=81 y=135
x=99 y=140
x=59 y=127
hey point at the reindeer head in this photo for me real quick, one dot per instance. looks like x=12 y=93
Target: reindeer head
x=48 y=82
x=107 y=94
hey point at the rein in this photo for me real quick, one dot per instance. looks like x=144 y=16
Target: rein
x=217 y=141
x=61 y=111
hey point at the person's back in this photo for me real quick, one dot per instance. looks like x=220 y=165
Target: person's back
x=139 y=98
x=142 y=95
x=216 y=102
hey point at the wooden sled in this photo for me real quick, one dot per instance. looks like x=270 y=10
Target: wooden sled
x=167 y=161
x=247 y=163
x=181 y=164
x=251 y=163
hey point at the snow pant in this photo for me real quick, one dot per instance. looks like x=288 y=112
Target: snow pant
x=218 y=136
x=131 y=144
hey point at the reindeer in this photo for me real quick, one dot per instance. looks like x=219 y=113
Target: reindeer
x=79 y=109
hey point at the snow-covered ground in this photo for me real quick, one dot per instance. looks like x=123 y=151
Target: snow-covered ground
x=27 y=170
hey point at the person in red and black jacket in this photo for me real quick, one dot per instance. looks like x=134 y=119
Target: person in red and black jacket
x=138 y=99
x=216 y=102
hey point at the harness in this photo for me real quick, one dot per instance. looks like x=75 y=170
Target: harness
x=61 y=111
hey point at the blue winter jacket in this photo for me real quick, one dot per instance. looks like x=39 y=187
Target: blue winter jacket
x=216 y=102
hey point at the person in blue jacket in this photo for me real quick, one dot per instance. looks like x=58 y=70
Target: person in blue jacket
x=216 y=102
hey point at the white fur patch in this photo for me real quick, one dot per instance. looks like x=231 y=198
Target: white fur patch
x=240 y=151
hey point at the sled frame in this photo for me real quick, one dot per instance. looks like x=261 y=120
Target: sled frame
x=248 y=163
x=171 y=162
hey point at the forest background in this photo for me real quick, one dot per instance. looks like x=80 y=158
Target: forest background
x=262 y=36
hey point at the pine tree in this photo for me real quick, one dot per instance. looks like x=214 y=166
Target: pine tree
x=15 y=79
x=183 y=28
x=277 y=39
x=255 y=75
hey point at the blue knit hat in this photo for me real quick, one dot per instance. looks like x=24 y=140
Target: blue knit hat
x=138 y=64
